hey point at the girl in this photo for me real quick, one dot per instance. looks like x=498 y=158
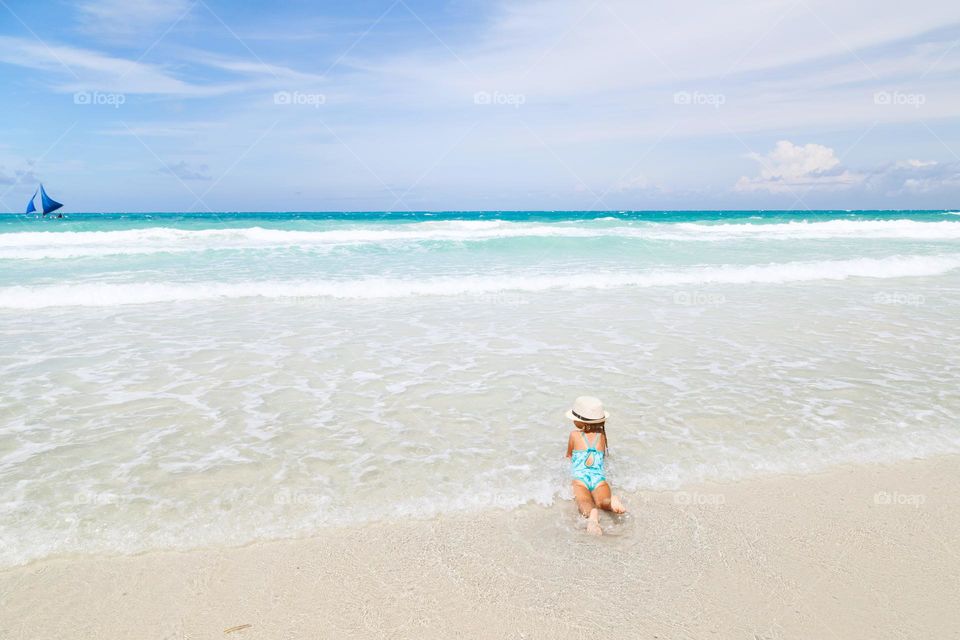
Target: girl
x=586 y=448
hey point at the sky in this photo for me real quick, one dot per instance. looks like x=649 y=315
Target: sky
x=410 y=105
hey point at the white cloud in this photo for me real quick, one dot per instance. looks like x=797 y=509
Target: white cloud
x=124 y=19
x=251 y=67
x=603 y=76
x=790 y=167
x=19 y=176
x=86 y=70
x=916 y=164
x=637 y=182
x=164 y=129
x=929 y=185
x=185 y=171
x=915 y=177
x=567 y=48
x=81 y=69
x=795 y=170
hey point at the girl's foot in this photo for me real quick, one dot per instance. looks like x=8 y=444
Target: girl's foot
x=593 y=523
x=616 y=506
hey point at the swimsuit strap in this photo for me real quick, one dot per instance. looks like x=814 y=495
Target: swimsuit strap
x=590 y=447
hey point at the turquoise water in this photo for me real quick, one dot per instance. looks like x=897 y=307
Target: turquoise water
x=182 y=380
x=243 y=247
x=203 y=219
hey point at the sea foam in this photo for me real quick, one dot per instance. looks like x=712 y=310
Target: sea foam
x=88 y=294
x=36 y=245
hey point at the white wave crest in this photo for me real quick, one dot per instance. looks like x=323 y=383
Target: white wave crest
x=76 y=244
x=879 y=229
x=110 y=294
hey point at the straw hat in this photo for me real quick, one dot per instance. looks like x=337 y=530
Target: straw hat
x=587 y=409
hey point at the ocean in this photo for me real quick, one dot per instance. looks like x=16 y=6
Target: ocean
x=176 y=380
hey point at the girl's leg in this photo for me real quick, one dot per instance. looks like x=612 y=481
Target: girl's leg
x=603 y=499
x=587 y=507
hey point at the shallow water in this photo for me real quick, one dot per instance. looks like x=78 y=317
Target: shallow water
x=177 y=381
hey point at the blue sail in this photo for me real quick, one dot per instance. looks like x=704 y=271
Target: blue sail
x=30 y=206
x=49 y=204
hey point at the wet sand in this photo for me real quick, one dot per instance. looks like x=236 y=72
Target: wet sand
x=858 y=552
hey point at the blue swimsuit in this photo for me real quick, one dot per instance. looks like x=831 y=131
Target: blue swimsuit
x=591 y=474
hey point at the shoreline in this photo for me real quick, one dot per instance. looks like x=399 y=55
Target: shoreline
x=830 y=554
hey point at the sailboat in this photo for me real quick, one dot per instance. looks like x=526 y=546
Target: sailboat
x=49 y=204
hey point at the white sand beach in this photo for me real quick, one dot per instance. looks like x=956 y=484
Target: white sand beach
x=856 y=552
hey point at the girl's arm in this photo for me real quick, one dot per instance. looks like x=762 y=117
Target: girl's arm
x=570 y=445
